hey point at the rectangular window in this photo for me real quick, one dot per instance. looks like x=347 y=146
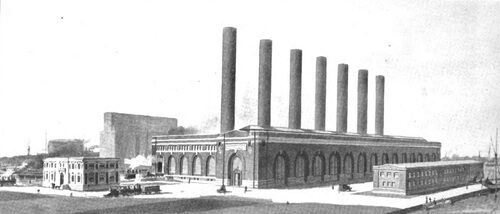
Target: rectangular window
x=388 y=174
x=381 y=174
x=111 y=165
x=102 y=165
x=396 y=175
x=78 y=178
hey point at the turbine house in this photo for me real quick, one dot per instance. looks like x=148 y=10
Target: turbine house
x=264 y=156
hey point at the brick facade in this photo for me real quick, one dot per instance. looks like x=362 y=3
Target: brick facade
x=281 y=158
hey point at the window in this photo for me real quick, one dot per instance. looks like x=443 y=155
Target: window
x=86 y=166
x=396 y=175
x=73 y=178
x=388 y=174
x=381 y=174
x=383 y=183
x=102 y=165
x=78 y=178
x=111 y=165
x=79 y=165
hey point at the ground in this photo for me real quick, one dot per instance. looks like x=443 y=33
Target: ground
x=479 y=204
x=203 y=198
x=16 y=202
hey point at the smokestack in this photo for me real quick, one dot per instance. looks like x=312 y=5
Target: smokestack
x=265 y=66
x=379 y=105
x=228 y=79
x=362 y=101
x=342 y=98
x=294 y=109
x=320 y=97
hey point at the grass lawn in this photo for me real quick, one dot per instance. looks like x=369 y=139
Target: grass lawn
x=12 y=202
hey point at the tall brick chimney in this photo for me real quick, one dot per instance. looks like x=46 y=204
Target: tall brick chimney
x=228 y=79
x=342 y=80
x=379 y=105
x=362 y=101
x=265 y=68
x=294 y=107
x=320 y=96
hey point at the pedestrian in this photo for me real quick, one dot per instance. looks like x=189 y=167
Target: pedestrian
x=246 y=189
x=70 y=194
x=38 y=190
x=426 y=199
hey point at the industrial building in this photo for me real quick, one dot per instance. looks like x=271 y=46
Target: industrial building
x=81 y=173
x=128 y=135
x=427 y=177
x=264 y=156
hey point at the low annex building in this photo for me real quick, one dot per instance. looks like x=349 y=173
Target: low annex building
x=264 y=156
x=428 y=177
x=81 y=173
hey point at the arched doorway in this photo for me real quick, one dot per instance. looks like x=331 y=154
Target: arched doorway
x=61 y=179
x=235 y=171
x=160 y=167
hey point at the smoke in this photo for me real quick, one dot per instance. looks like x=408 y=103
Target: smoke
x=183 y=131
x=210 y=125
x=139 y=160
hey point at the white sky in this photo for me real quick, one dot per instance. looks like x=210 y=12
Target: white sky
x=64 y=63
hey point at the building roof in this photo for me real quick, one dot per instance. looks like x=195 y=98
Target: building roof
x=427 y=164
x=288 y=135
x=77 y=158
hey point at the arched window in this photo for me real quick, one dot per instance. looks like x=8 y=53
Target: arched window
x=300 y=166
x=361 y=163
x=434 y=158
x=318 y=166
x=197 y=165
x=210 y=166
x=427 y=158
x=349 y=165
x=184 y=165
x=171 y=165
x=420 y=157
x=385 y=158
x=394 y=158
x=335 y=165
x=280 y=169
x=237 y=164
x=404 y=158
x=373 y=161
x=412 y=158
